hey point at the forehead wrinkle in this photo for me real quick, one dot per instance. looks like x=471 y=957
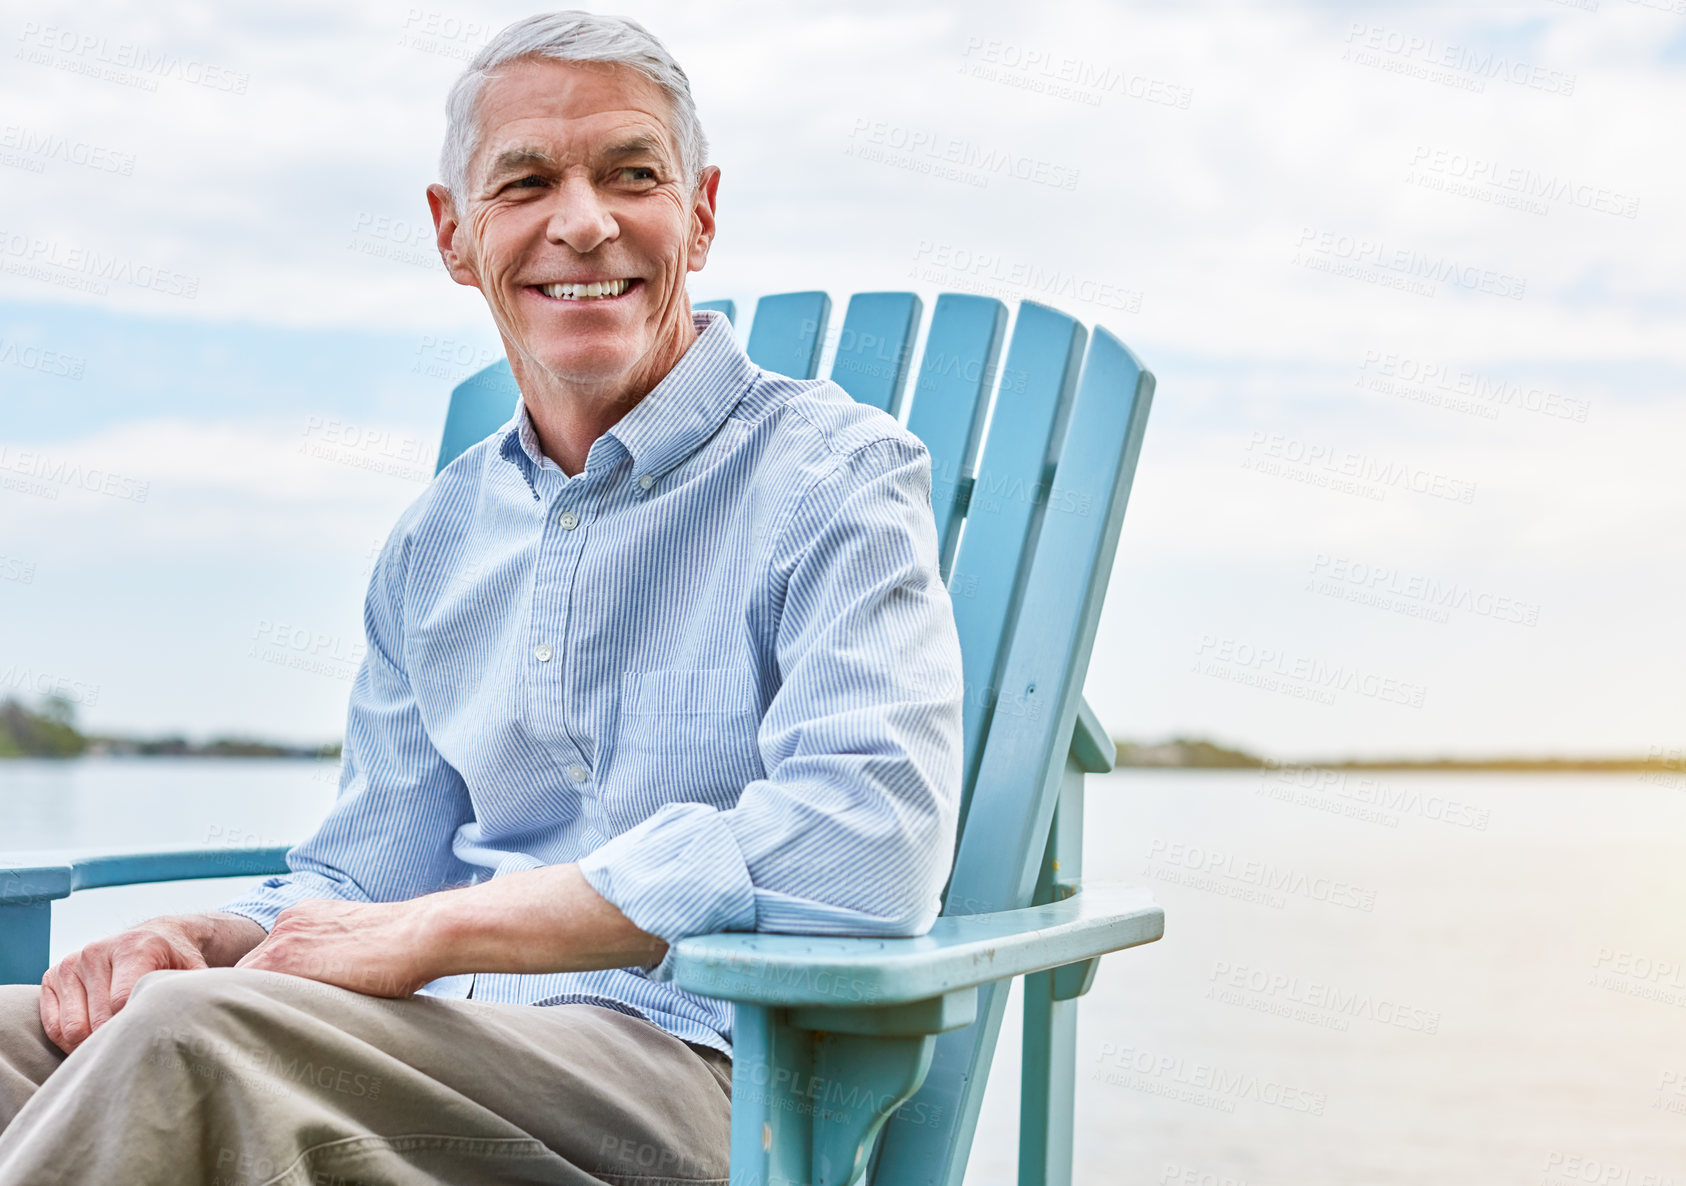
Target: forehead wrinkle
x=519 y=156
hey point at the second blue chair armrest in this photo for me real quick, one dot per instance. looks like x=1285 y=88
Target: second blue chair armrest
x=960 y=952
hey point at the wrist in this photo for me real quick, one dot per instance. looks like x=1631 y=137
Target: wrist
x=446 y=936
x=222 y=939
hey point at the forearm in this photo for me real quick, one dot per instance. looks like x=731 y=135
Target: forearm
x=538 y=920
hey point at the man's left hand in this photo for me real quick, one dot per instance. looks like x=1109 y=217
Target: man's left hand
x=375 y=948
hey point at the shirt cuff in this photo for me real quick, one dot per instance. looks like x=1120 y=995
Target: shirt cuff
x=678 y=873
x=275 y=894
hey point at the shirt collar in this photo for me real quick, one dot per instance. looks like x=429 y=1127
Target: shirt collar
x=670 y=423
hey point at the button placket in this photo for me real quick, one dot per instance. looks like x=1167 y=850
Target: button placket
x=548 y=624
x=567 y=738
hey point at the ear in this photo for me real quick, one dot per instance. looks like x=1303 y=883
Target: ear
x=702 y=216
x=445 y=225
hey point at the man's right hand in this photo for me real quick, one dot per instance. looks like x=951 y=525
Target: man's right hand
x=86 y=988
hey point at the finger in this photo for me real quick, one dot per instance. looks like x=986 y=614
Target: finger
x=126 y=969
x=96 y=989
x=50 y=1011
x=73 y=1012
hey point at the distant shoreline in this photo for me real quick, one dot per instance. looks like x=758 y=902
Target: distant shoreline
x=1190 y=753
x=50 y=732
x=1451 y=766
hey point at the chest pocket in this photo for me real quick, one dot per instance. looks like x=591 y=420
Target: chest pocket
x=686 y=735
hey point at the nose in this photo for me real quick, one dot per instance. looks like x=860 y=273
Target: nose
x=580 y=219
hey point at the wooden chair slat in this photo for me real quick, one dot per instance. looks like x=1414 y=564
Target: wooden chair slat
x=787 y=333
x=950 y=400
x=729 y=308
x=479 y=404
x=875 y=347
x=1048 y=656
x=1008 y=493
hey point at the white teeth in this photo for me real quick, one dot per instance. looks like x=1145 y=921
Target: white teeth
x=585 y=292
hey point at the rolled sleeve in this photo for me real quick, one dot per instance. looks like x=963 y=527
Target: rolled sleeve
x=677 y=873
x=852 y=831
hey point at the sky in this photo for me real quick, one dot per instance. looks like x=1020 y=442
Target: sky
x=1409 y=278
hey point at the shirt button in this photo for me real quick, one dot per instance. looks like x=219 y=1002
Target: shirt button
x=577 y=772
x=542 y=652
x=569 y=520
x=645 y=482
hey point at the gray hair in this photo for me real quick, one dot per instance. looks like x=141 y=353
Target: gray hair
x=570 y=36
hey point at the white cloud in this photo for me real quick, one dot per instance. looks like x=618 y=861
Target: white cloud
x=284 y=204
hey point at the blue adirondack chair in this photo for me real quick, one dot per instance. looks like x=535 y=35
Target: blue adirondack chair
x=864 y=1060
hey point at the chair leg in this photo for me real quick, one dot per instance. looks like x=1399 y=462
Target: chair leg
x=25 y=935
x=1048 y=1071
x=1047 y=1084
x=808 y=1105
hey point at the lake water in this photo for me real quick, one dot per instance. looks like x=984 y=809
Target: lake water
x=1411 y=979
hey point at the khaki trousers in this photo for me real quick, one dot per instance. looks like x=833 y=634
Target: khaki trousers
x=240 y=1077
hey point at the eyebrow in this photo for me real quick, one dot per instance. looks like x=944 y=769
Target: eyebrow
x=520 y=157
x=525 y=156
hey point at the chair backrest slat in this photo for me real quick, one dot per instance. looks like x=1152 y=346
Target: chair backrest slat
x=1023 y=761
x=479 y=404
x=788 y=332
x=875 y=346
x=1008 y=494
x=729 y=308
x=1048 y=653
x=950 y=400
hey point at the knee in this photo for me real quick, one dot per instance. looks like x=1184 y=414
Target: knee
x=184 y=994
x=20 y=1015
x=167 y=1005
x=172 y=1001
x=202 y=1014
x=204 y=996
x=19 y=1004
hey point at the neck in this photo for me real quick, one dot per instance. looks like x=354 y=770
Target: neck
x=568 y=415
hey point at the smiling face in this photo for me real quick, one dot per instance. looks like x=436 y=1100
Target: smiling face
x=579 y=226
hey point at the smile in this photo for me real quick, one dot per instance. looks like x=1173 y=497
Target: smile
x=596 y=291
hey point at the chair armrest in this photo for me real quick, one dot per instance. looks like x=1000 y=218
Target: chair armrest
x=960 y=952
x=39 y=877
x=1091 y=745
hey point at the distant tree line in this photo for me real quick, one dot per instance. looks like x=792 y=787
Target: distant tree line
x=1194 y=753
x=49 y=731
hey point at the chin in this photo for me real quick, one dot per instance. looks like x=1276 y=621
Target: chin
x=576 y=360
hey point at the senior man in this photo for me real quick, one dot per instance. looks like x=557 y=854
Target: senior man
x=667 y=654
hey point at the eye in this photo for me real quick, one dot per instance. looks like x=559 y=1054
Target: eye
x=638 y=173
x=522 y=183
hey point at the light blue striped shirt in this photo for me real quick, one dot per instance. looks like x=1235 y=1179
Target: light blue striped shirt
x=717 y=668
